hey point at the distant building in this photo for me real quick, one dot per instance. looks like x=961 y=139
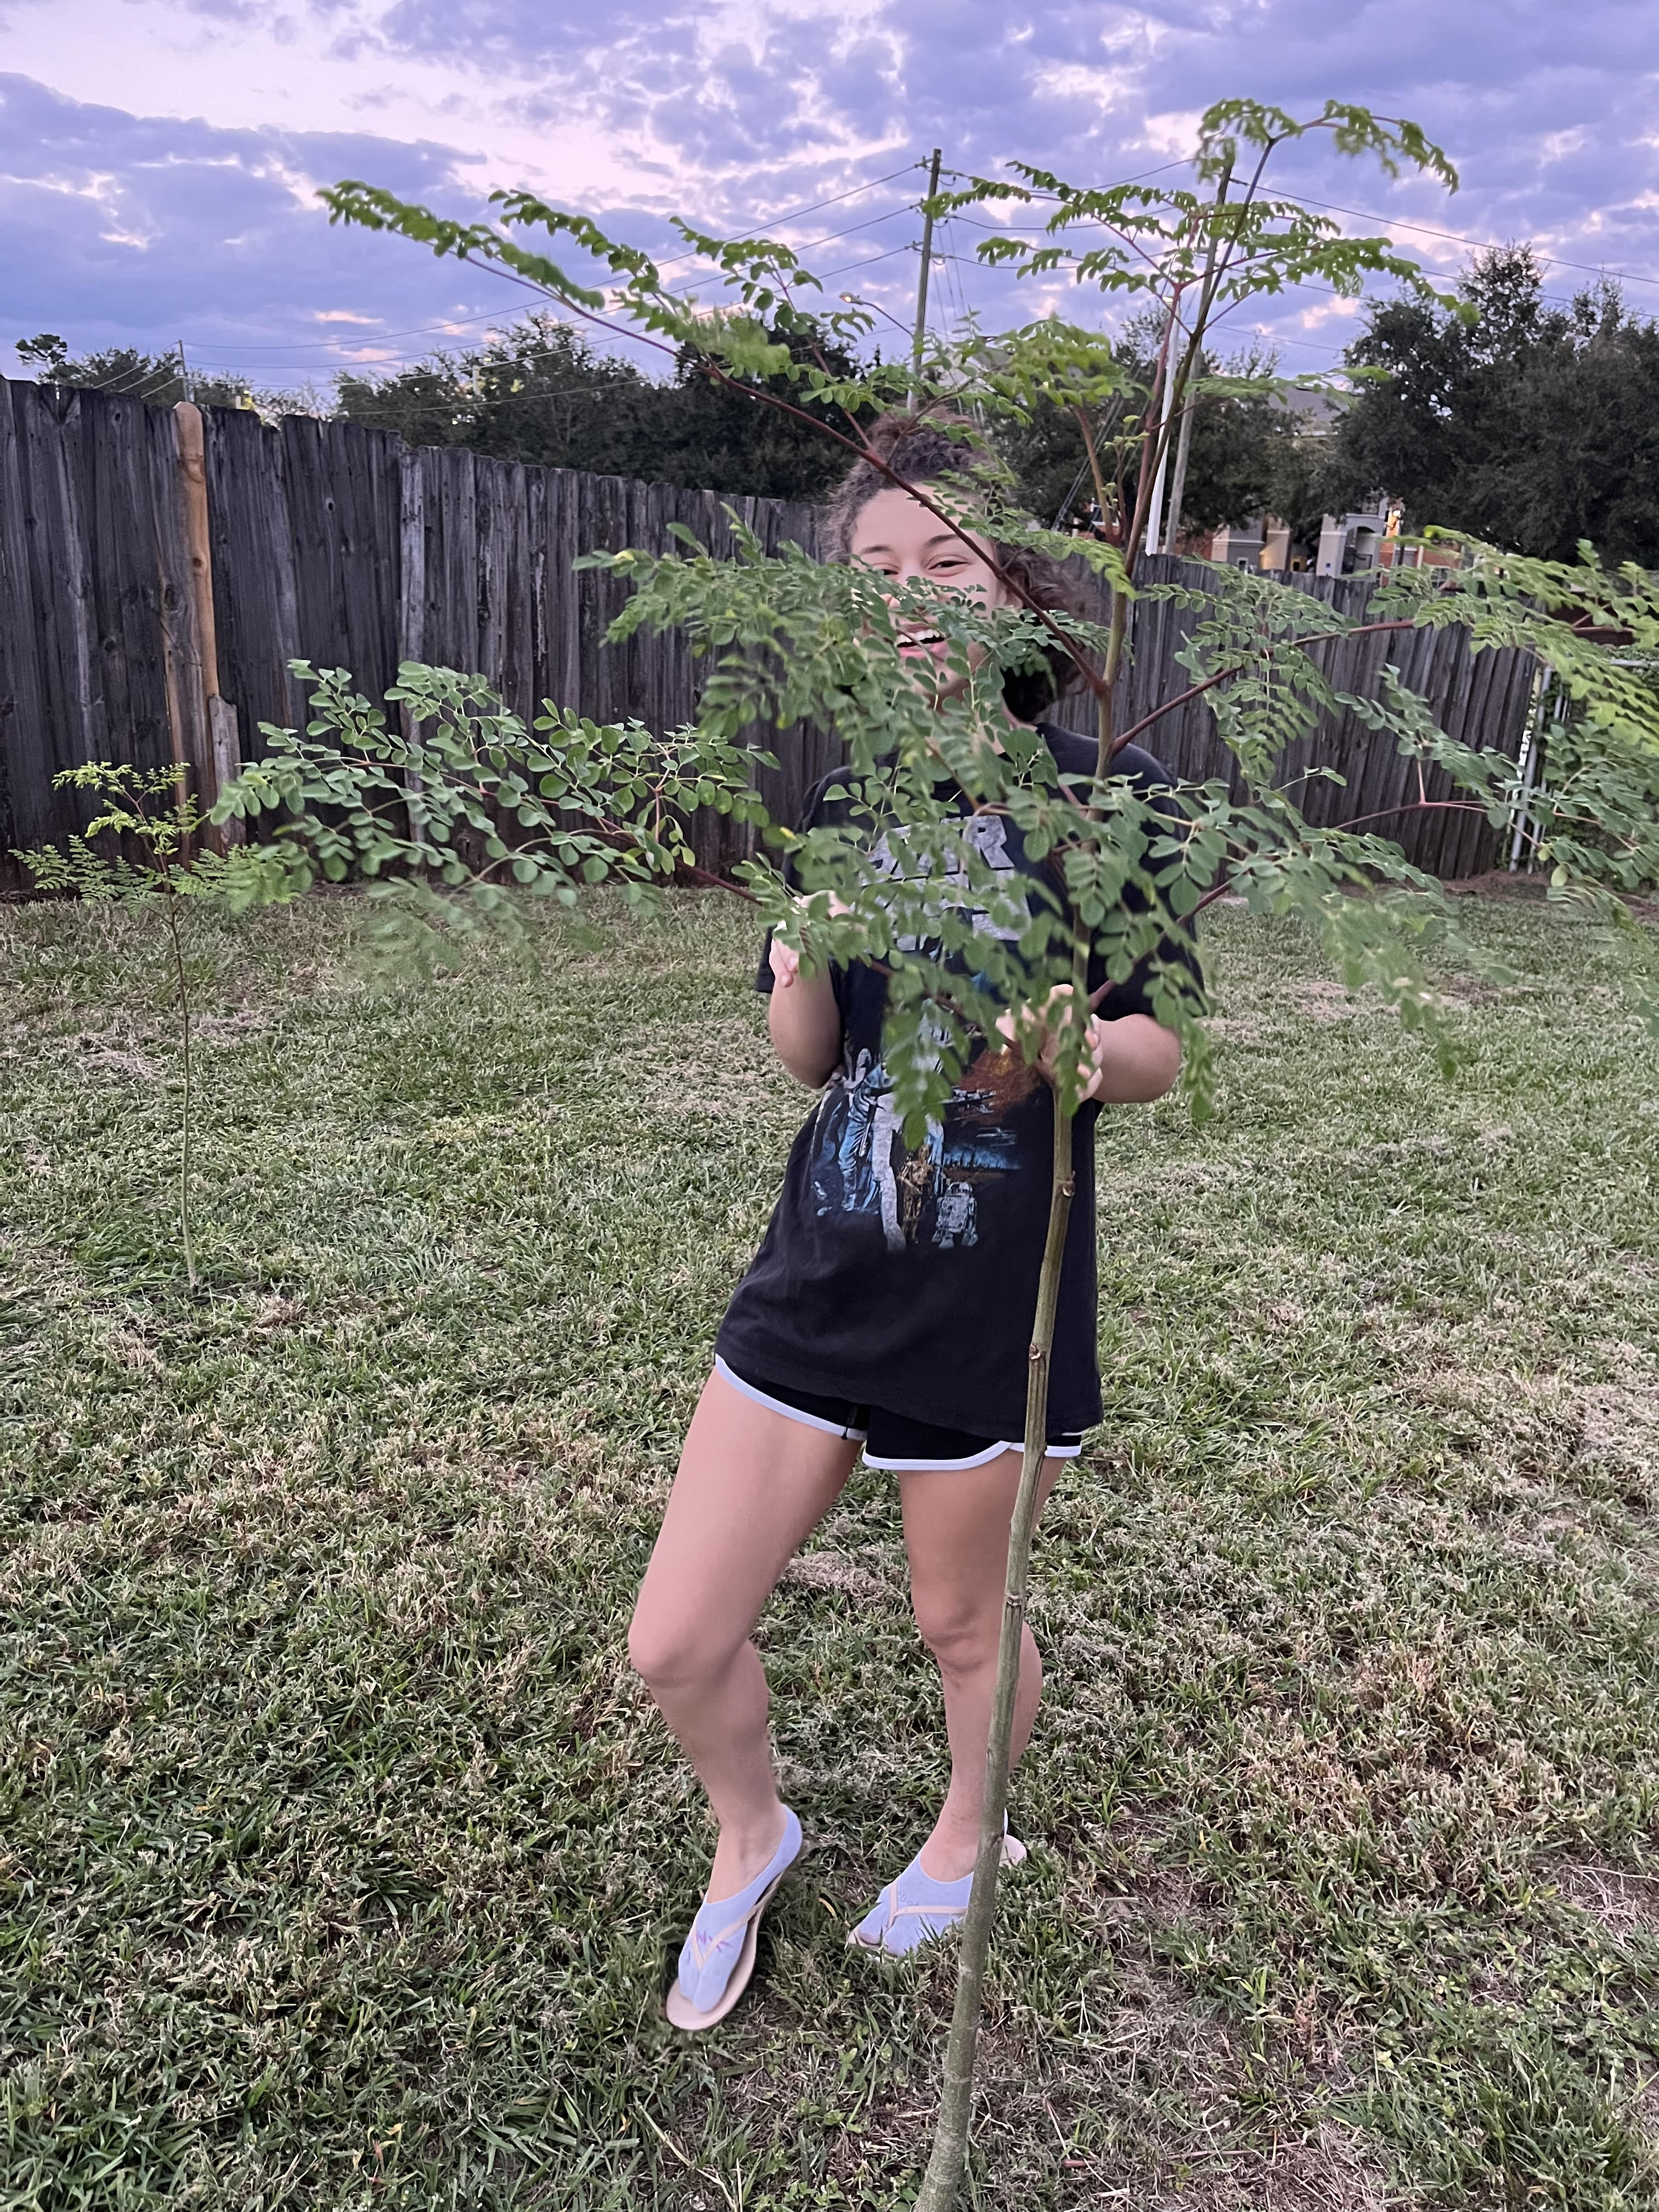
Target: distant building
x=1351 y=544
x=1239 y=547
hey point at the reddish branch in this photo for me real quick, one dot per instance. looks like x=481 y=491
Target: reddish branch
x=1358 y=821
x=1364 y=629
x=692 y=874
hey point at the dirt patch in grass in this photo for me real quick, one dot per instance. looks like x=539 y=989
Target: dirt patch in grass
x=1621 y=1427
x=852 y=1578
x=1499 y=884
x=1532 y=889
x=110 y=1052
x=1622 y=1902
x=1322 y=998
x=1325 y=2174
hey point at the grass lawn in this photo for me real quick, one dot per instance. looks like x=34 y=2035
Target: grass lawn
x=343 y=1863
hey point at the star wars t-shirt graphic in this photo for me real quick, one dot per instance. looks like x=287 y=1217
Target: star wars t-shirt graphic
x=860 y=1162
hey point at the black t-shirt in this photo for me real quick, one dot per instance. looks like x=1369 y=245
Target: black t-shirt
x=906 y=1278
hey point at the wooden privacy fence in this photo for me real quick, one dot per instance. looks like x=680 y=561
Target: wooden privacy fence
x=159 y=569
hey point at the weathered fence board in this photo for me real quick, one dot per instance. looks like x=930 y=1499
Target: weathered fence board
x=26 y=797
x=255 y=596
x=167 y=596
x=341 y=546
x=99 y=651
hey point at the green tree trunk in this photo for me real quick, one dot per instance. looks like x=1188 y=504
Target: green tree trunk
x=948 y=2161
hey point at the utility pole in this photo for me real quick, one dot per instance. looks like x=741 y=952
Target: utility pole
x=184 y=372
x=1178 y=482
x=921 y=282
x=1159 y=408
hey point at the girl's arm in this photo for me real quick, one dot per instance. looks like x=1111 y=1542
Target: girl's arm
x=804 y=1020
x=1136 y=1060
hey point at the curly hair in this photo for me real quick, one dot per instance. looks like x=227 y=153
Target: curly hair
x=918 y=449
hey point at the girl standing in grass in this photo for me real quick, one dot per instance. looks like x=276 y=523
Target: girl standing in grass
x=888 y=1309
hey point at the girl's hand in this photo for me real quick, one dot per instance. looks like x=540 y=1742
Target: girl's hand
x=1027 y=1025
x=785 y=964
x=1128 y=1061
x=803 y=1018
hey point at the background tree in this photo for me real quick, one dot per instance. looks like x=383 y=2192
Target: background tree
x=1050 y=463
x=540 y=393
x=159 y=380
x=1239 y=457
x=1531 y=425
x=545 y=393
x=717 y=439
x=1239 y=443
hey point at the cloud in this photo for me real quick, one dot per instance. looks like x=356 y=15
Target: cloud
x=129 y=230
x=133 y=217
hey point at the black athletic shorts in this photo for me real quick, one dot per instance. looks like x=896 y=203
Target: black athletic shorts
x=889 y=1440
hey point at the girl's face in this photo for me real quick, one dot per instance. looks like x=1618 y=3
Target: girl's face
x=894 y=534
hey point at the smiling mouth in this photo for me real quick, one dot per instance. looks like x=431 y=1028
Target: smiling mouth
x=919 y=641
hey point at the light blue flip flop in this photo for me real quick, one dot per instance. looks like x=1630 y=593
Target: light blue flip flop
x=718 y=1956
x=914 y=1910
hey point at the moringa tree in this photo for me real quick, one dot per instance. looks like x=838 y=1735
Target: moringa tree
x=904 y=887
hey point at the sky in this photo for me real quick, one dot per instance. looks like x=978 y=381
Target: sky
x=160 y=159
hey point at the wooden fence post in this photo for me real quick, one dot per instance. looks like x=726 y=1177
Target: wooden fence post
x=224 y=744
x=411 y=585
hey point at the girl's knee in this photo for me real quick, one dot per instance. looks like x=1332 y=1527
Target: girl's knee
x=669 y=1653
x=961 y=1635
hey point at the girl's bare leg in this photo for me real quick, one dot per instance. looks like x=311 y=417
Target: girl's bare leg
x=752 y=1486
x=956 y=1531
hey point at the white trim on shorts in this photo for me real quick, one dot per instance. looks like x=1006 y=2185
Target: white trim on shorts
x=960 y=1465
x=857 y=1435
x=777 y=1405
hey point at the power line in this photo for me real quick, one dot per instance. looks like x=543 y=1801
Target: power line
x=316 y=345
x=1481 y=245
x=869 y=224
x=1139 y=177
x=1548 y=299
x=1366 y=215
x=530 y=398
x=953 y=264
x=131 y=383
x=847 y=267
x=345 y=367
x=449 y=330
x=795 y=214
x=141 y=374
